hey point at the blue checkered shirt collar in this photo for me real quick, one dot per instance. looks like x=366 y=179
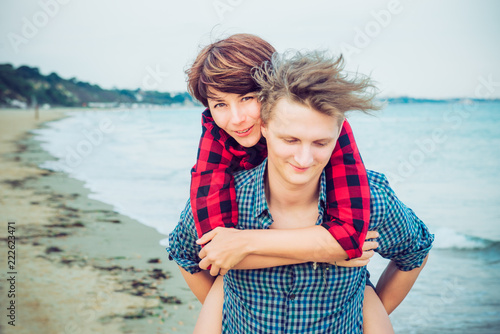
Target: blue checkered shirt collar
x=260 y=200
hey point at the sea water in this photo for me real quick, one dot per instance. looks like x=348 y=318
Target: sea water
x=442 y=159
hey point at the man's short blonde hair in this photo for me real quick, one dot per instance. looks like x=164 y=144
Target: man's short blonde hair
x=315 y=80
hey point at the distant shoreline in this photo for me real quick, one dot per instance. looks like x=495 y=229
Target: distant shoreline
x=134 y=106
x=409 y=100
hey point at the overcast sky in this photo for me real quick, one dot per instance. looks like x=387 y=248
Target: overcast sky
x=423 y=48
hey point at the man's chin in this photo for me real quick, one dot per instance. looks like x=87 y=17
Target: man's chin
x=301 y=180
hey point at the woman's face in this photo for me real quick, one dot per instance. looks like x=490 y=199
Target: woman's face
x=238 y=115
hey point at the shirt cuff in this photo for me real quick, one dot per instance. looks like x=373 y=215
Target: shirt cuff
x=414 y=259
x=182 y=256
x=345 y=240
x=188 y=265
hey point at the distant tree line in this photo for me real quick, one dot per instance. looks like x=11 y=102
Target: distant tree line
x=26 y=85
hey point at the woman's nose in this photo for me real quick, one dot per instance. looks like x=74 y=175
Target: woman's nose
x=237 y=115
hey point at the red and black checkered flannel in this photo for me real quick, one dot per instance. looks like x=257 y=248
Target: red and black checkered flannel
x=213 y=196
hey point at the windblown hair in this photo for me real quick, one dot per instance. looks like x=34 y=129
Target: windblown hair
x=226 y=66
x=315 y=80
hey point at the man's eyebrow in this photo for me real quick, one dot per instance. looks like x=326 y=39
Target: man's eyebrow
x=326 y=139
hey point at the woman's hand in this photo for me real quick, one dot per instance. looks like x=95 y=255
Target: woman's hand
x=224 y=248
x=368 y=252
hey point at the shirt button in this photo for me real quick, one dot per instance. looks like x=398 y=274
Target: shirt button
x=292 y=296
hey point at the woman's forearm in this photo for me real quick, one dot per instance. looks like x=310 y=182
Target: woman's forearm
x=226 y=247
x=261 y=261
x=314 y=244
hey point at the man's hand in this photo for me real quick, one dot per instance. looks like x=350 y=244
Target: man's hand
x=224 y=249
x=368 y=252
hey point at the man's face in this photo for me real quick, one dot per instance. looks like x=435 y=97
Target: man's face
x=238 y=115
x=300 y=142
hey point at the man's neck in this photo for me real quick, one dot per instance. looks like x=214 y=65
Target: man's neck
x=282 y=195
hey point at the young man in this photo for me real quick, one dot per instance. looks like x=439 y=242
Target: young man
x=302 y=112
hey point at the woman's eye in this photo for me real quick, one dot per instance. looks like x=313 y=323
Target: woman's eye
x=290 y=141
x=219 y=105
x=246 y=98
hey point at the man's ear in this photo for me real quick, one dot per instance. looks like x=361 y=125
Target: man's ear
x=341 y=125
x=263 y=130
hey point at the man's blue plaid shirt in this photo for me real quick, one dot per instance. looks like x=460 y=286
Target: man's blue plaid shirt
x=304 y=298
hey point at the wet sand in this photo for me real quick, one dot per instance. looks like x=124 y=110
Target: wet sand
x=80 y=266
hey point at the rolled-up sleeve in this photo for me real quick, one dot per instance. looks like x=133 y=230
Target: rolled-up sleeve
x=182 y=246
x=404 y=238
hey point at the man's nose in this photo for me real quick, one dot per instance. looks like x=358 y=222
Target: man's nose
x=304 y=156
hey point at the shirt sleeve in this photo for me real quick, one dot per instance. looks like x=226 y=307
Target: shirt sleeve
x=182 y=246
x=348 y=195
x=404 y=238
x=212 y=194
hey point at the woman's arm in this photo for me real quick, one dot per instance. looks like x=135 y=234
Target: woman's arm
x=253 y=249
x=212 y=181
x=228 y=247
x=213 y=196
x=348 y=194
x=260 y=261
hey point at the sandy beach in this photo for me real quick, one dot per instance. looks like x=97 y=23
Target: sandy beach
x=80 y=267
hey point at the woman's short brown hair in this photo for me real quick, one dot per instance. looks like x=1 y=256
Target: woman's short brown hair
x=226 y=66
x=315 y=80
